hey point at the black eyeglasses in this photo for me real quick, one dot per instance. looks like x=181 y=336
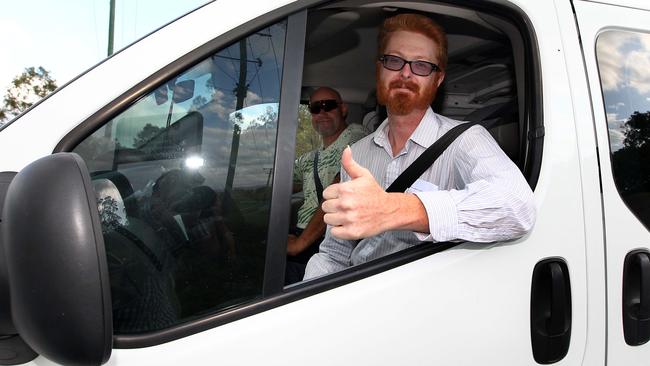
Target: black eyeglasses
x=418 y=67
x=326 y=105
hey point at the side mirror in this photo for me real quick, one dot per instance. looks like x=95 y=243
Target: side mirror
x=13 y=349
x=56 y=262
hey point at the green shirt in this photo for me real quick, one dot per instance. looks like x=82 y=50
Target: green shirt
x=329 y=165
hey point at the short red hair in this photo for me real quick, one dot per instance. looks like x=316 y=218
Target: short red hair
x=418 y=24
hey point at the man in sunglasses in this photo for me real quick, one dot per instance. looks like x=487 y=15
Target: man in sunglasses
x=316 y=170
x=472 y=192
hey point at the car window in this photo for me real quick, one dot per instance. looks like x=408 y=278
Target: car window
x=183 y=180
x=624 y=68
x=488 y=79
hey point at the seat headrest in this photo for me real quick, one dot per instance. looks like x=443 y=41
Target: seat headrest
x=110 y=203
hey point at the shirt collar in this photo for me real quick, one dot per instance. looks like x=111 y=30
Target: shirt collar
x=424 y=135
x=427 y=131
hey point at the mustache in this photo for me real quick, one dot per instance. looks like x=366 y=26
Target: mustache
x=399 y=84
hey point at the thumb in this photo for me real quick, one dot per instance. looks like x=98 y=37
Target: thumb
x=351 y=167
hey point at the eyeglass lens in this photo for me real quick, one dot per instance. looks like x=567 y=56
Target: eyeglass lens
x=421 y=68
x=326 y=105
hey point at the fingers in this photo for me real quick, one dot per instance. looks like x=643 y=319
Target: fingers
x=341 y=227
x=331 y=192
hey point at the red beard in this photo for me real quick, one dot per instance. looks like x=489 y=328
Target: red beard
x=402 y=103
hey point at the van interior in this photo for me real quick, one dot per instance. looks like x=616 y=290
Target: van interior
x=485 y=78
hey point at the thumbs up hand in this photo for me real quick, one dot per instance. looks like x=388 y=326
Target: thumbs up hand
x=360 y=207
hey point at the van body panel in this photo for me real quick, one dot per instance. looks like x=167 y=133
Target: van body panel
x=624 y=231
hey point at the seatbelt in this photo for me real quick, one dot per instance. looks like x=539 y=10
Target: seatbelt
x=317 y=182
x=428 y=157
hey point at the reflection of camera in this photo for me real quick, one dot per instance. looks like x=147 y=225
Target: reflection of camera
x=174 y=190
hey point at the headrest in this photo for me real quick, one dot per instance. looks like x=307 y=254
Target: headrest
x=110 y=203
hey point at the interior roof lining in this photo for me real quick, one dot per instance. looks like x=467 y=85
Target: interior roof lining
x=429 y=7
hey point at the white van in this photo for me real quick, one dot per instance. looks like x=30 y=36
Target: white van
x=162 y=241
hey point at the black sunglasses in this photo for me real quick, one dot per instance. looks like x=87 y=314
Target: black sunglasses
x=418 y=67
x=326 y=105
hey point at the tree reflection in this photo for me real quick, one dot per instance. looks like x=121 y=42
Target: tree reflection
x=631 y=166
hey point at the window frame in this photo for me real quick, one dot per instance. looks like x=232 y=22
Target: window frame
x=274 y=293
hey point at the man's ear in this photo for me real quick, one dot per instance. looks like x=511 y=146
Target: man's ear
x=344 y=110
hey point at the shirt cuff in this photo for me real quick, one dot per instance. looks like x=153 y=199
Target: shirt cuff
x=441 y=214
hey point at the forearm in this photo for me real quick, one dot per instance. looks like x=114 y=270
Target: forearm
x=314 y=230
x=405 y=211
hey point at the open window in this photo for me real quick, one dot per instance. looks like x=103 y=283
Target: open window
x=490 y=76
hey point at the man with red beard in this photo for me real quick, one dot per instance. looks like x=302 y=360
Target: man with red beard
x=472 y=192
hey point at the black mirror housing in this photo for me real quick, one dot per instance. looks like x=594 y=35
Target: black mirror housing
x=56 y=262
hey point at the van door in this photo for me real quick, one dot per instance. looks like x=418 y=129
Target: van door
x=465 y=306
x=616 y=46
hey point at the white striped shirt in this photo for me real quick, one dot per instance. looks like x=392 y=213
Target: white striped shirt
x=473 y=192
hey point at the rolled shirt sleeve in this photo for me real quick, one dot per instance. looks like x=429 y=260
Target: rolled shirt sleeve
x=496 y=205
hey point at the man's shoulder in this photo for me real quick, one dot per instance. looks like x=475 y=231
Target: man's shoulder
x=474 y=136
x=309 y=155
x=353 y=133
x=447 y=124
x=306 y=158
x=363 y=143
x=357 y=131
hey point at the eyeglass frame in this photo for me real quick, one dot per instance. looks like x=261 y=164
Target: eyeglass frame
x=321 y=105
x=434 y=67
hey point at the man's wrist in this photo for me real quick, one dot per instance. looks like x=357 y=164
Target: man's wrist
x=392 y=217
x=301 y=243
x=404 y=212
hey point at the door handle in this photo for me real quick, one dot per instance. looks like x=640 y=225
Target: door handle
x=550 y=311
x=636 y=297
x=557 y=320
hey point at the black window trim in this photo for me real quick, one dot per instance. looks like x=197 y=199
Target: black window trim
x=276 y=249
x=274 y=294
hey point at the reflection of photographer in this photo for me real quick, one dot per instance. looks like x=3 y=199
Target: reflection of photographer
x=190 y=213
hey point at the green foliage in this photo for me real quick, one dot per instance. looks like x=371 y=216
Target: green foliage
x=147 y=133
x=25 y=90
x=637 y=130
x=307 y=139
x=632 y=162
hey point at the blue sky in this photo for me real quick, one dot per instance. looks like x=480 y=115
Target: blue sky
x=68 y=37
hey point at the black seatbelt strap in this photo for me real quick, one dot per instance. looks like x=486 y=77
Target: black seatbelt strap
x=317 y=182
x=428 y=157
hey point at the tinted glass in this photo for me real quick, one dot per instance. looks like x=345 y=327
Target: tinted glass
x=183 y=181
x=624 y=67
